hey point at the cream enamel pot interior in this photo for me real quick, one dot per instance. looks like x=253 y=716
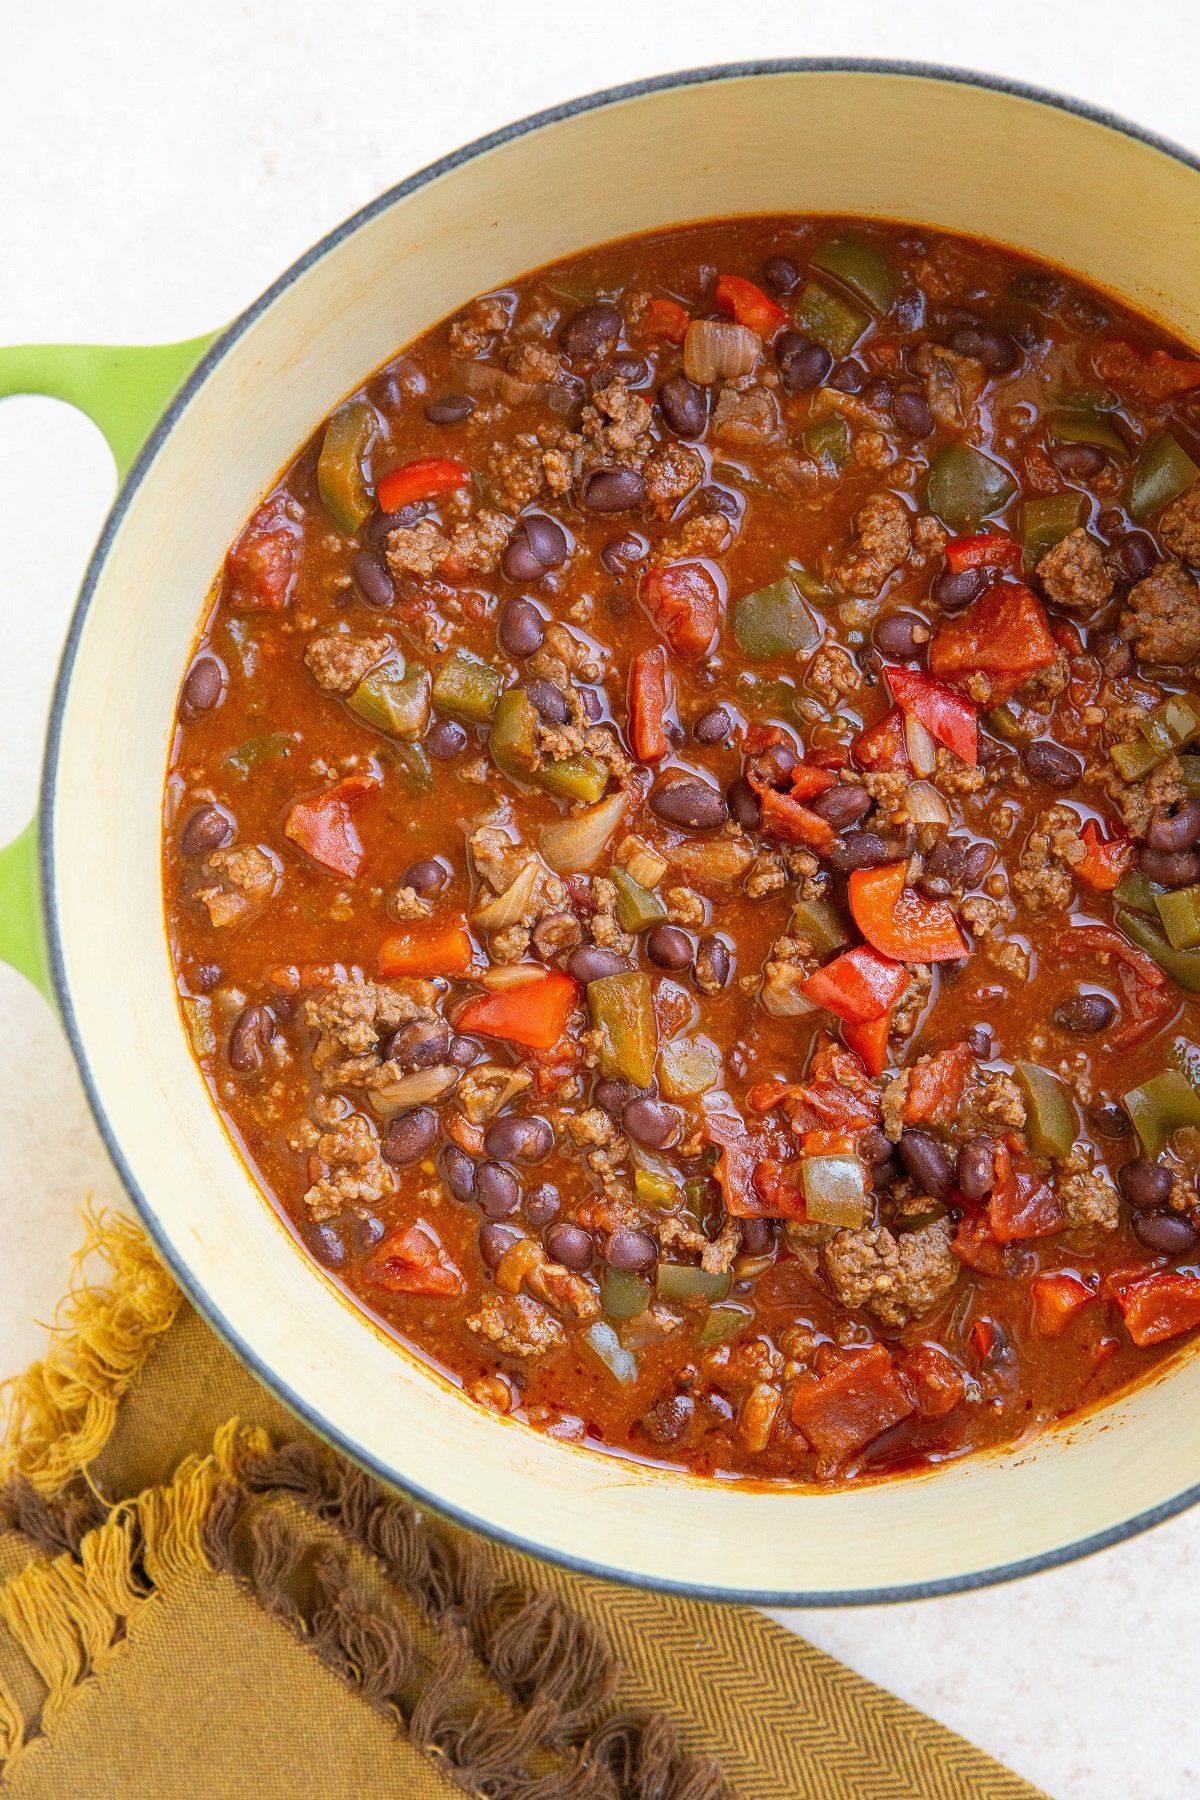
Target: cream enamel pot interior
x=924 y=145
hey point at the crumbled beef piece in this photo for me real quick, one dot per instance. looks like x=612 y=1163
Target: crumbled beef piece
x=684 y=906
x=892 y=1101
x=737 y=1366
x=991 y=1103
x=1073 y=574
x=872 y=451
x=1086 y=1193
x=533 y=364
x=888 y=788
x=515 y=1325
x=1043 y=874
x=930 y=538
x=487 y=1088
x=832 y=674
x=708 y=534
x=953 y=776
x=244 y=878
x=767 y=874
x=344 y=1165
x=897 y=1279
x=605 y=929
x=1179 y=527
x=593 y=1127
x=1161 y=617
x=913 y=1001
x=556 y=933
x=517 y=475
x=339 y=659
x=405 y=903
x=1138 y=800
x=983 y=915
x=474 y=332
x=719 y=1257
x=881 y=541
x=419 y=549
x=952 y=382
x=1009 y=956
x=617 y=426
x=1046 y=684
x=671 y=472
x=746 y=416
x=352 y=1023
x=473 y=547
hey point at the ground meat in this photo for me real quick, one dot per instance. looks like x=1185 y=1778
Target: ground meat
x=888 y=788
x=419 y=549
x=605 y=929
x=671 y=472
x=991 y=1103
x=880 y=544
x=1087 y=1194
x=684 y=906
x=404 y=904
x=515 y=1325
x=339 y=659
x=556 y=933
x=1179 y=527
x=952 y=382
x=1161 y=617
x=352 y=1023
x=1046 y=684
x=244 y=877
x=1138 y=800
x=1043 y=874
x=616 y=426
x=954 y=776
x=746 y=416
x=473 y=548
x=533 y=364
x=897 y=1279
x=833 y=673
x=930 y=538
x=767 y=875
x=487 y=1088
x=1073 y=574
x=708 y=534
x=913 y=1001
x=983 y=915
x=344 y=1165
x=517 y=475
x=736 y=1366
x=592 y=1127
x=475 y=331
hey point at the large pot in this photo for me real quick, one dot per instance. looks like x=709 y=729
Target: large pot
x=952 y=150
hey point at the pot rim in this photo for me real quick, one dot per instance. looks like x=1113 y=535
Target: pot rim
x=272 y=1379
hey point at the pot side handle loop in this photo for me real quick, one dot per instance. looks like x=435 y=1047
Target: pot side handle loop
x=123 y=389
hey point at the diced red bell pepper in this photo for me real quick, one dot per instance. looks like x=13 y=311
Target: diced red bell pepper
x=869 y=1041
x=976 y=1244
x=882 y=747
x=936 y=1380
x=1148 y=375
x=936 y=1085
x=1160 y=1307
x=261 y=565
x=859 y=985
x=665 y=319
x=648 y=704
x=533 y=1012
x=324 y=827
x=858 y=1395
x=749 y=305
x=793 y=822
x=986 y=550
x=426 y=950
x=1022 y=1204
x=1004 y=636
x=898 y=922
x=1057 y=1298
x=808 y=781
x=983 y=1337
x=1106 y=860
x=422 y=479
x=684 y=603
x=410 y=1262
x=946 y=716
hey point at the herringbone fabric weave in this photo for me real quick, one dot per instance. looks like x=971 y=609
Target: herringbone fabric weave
x=200 y=1601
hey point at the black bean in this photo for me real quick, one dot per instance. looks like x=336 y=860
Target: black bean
x=1078 y=462
x=757 y=1235
x=541 y=1206
x=885 y=1174
x=803 y=364
x=976 y=1170
x=612 y=490
x=591 y=332
x=842 y=805
x=449 y=409
x=207 y=977
x=426 y=878
x=412 y=1135
x=1133 y=555
x=1144 y=1183
x=976 y=863
x=497 y=1190
x=1085 y=1013
x=713 y=499
x=515 y=1138
x=777 y=763
x=689 y=803
x=996 y=350
x=1109 y=1119
x=780 y=274
x=593 y=961
x=462 y=1052
x=569 y=1245
x=1178 y=830
x=520 y=628
x=1171 y=868
x=589 y=699
x=445 y=740
x=1051 y=764
x=537 y=545
x=375 y=531
x=613 y=1096
x=630 y=1250
x=878 y=394
x=668 y=947
x=421 y=1045
x=1167 y=1233
x=326 y=1244
x=954 y=591
x=368 y=1230
x=910 y=410
x=651 y=1122
x=857 y=850
x=625 y=366
x=900 y=634
x=874 y=1144
x=550 y=701
x=493 y=1241
x=373 y=579
x=670 y=1421
x=926 y=1161
x=201 y=688
x=713 y=726
x=745 y=807
x=979 y=1036
x=849 y=377
x=684 y=406
x=206 y=828
x=253 y=1030
x=713 y=964
x=943 y=867
x=621 y=553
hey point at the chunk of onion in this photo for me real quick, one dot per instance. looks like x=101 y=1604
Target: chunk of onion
x=608 y=1347
x=577 y=842
x=715 y=349
x=921 y=747
x=835 y=1190
x=780 y=995
x=925 y=806
x=417 y=1088
x=506 y=908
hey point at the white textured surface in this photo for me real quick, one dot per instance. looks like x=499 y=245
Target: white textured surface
x=162 y=166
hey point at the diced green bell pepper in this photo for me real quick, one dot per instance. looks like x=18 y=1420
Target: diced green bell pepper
x=637 y=908
x=579 y=777
x=721 y=1324
x=1171 y=724
x=1003 y=722
x=688 y=1066
x=1189 y=774
x=1183 y=966
x=774 y=621
x=810 y=583
x=1086 y=426
x=514 y=750
x=684 y=1283
x=1161 y=1106
x=621 y=1363
x=655 y=1187
x=341 y=482
x=1161 y=473
x=244 y=758
x=1136 y=758
x=1179 y=910
x=828 y=443
x=622 y=1010
x=820 y=922
x=467 y=688
x=413 y=763
x=861 y=266
x=197 y=1010
x=1137 y=891
x=1051 y=1124
x=965 y=487
x=1047 y=520
x=394 y=699
x=830 y=318
x=624 y=1296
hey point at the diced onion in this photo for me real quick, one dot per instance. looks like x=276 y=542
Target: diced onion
x=780 y=995
x=608 y=1347
x=925 y=806
x=506 y=908
x=921 y=746
x=508 y=975
x=715 y=349
x=835 y=1190
x=576 y=843
x=415 y=1089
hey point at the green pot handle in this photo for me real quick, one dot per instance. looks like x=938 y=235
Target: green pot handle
x=123 y=388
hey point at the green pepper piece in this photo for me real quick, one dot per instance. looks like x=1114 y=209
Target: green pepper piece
x=862 y=267
x=393 y=700
x=820 y=922
x=1047 y=520
x=774 y=621
x=579 y=777
x=810 y=583
x=688 y=1066
x=467 y=688
x=624 y=1296
x=721 y=1324
x=622 y=1010
x=1137 y=891
x=1086 y=426
x=684 y=1283
x=1161 y=473
x=513 y=739
x=198 y=1013
x=413 y=763
x=1136 y=758
x=1051 y=1124
x=1172 y=723
x=1003 y=722
x=620 y=1362
x=1179 y=911
x=1159 y=1107
x=828 y=442
x=1189 y=767
x=341 y=482
x=830 y=318
x=1183 y=966
x=1089 y=400
x=965 y=487
x=655 y=1187
x=637 y=908
x=248 y=756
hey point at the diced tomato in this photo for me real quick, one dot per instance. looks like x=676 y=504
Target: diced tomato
x=809 y=781
x=899 y=922
x=936 y=1380
x=749 y=305
x=882 y=746
x=857 y=1395
x=859 y=985
x=1153 y=375
x=793 y=822
x=422 y=479
x=684 y=603
x=976 y=1244
x=1148 y=998
x=936 y=1085
x=410 y=1262
x=665 y=319
x=1004 y=636
x=1023 y=1203
x=946 y=716
x=1160 y=1307
x=983 y=1336
x=261 y=566
x=741 y=1151
x=987 y=550
x=324 y=826
x=426 y=950
x=869 y=1040
x=781 y=1188
x=1057 y=1298
x=648 y=704
x=1106 y=860
x=534 y=1012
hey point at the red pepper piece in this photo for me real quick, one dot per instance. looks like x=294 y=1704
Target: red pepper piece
x=935 y=1379
x=665 y=319
x=410 y=1262
x=1153 y=375
x=426 y=950
x=858 y=986
x=793 y=822
x=1107 y=858
x=648 y=704
x=422 y=479
x=946 y=716
x=857 y=1395
x=749 y=305
x=1057 y=1298
x=898 y=922
x=533 y=1012
x=1004 y=636
x=325 y=828
x=882 y=746
x=976 y=1244
x=936 y=1085
x=986 y=550
x=1160 y=1307
x=870 y=1042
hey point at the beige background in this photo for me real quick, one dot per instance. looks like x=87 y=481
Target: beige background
x=157 y=177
